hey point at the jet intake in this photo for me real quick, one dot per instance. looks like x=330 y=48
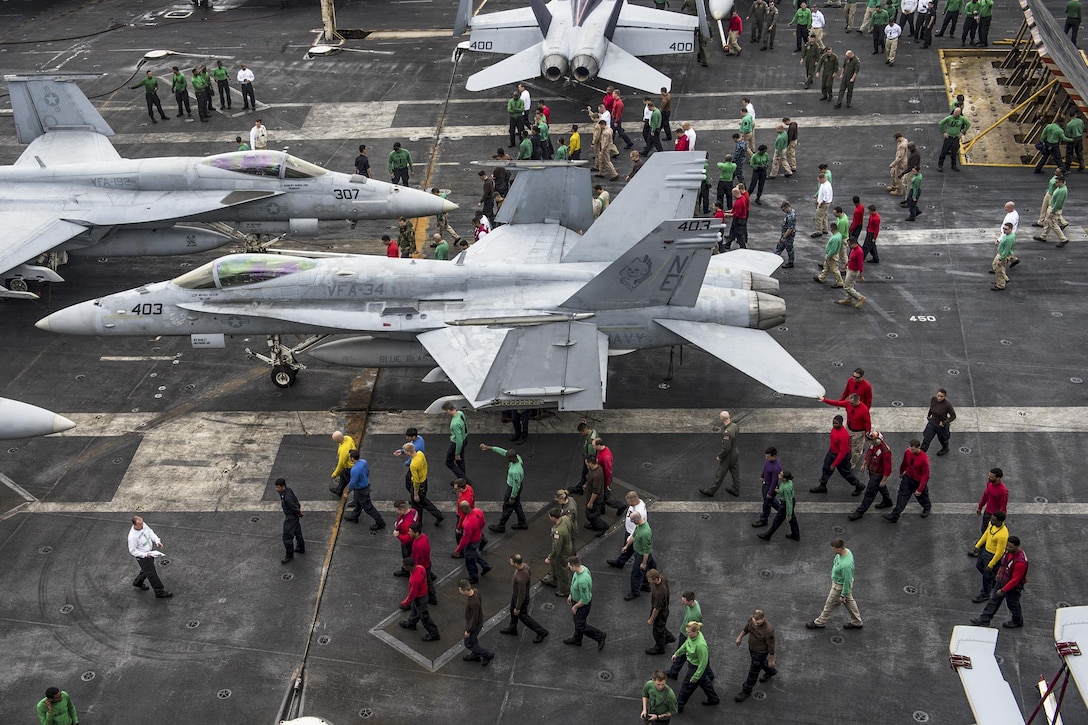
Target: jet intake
x=154 y=242
x=554 y=66
x=765 y=311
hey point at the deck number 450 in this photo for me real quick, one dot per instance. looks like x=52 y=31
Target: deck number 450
x=923 y=318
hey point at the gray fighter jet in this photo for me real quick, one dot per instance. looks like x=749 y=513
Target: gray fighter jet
x=579 y=39
x=22 y=420
x=505 y=332
x=70 y=192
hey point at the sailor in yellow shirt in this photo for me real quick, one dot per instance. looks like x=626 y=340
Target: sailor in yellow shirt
x=416 y=483
x=993 y=542
x=574 y=147
x=345 y=444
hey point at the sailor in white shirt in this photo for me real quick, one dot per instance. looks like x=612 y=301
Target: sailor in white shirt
x=690 y=133
x=823 y=198
x=245 y=80
x=818 y=23
x=635 y=505
x=142 y=542
x=892 y=31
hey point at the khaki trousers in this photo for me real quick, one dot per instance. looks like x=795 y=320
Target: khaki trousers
x=833 y=603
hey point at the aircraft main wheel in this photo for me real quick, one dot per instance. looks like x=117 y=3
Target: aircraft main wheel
x=283 y=376
x=17 y=285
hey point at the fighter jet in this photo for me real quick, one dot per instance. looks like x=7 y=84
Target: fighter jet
x=70 y=192
x=580 y=39
x=22 y=420
x=506 y=333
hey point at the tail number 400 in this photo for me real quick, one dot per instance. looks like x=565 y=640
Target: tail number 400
x=682 y=47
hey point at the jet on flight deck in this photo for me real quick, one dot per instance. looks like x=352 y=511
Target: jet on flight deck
x=508 y=329
x=579 y=39
x=70 y=192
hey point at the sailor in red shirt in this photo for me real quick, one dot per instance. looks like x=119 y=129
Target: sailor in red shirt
x=878 y=463
x=872 y=230
x=858 y=219
x=391 y=247
x=838 y=458
x=915 y=472
x=994 y=498
x=858 y=423
x=406 y=516
x=421 y=554
x=617 y=119
x=739 y=213
x=682 y=141
x=472 y=533
x=464 y=492
x=416 y=601
x=858 y=384
x=855 y=266
x=1012 y=575
x=605 y=461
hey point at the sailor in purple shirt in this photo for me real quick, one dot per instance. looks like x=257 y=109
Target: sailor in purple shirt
x=771 y=469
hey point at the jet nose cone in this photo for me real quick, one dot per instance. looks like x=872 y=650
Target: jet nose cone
x=408 y=202
x=81 y=319
x=448 y=206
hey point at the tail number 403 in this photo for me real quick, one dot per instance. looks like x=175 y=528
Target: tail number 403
x=148 y=308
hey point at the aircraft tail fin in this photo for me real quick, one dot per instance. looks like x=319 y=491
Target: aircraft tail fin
x=549 y=195
x=542 y=14
x=463 y=19
x=622 y=67
x=666 y=267
x=52 y=102
x=516 y=68
x=665 y=188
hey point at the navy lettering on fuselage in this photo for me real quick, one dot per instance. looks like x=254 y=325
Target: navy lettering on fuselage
x=113 y=182
x=625 y=339
x=355 y=289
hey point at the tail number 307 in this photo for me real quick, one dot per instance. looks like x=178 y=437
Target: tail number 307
x=345 y=193
x=149 y=308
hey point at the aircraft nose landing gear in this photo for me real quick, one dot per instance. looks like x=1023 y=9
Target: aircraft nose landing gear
x=285 y=367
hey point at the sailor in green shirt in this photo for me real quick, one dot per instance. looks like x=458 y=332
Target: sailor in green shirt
x=515 y=109
x=585 y=450
x=655 y=128
x=242 y=145
x=879 y=20
x=1003 y=259
x=953 y=127
x=1054 y=213
x=759 y=161
x=831 y=264
x=692 y=613
x=747 y=131
x=641 y=541
x=699 y=674
x=842 y=581
x=547 y=152
x=781 y=141
x=180 y=86
x=985 y=16
x=441 y=247
x=1051 y=137
x=1072 y=19
x=1044 y=207
x=658 y=699
x=1074 y=147
x=951 y=16
x=803 y=19
x=866 y=20
x=970 y=22
x=784 y=491
x=56 y=708
x=726 y=171
x=525 y=150
x=825 y=170
x=562 y=153
x=200 y=85
x=458 y=436
x=222 y=82
x=400 y=165
x=151 y=95
x=581 y=600
x=511 y=502
x=913 y=194
x=842 y=225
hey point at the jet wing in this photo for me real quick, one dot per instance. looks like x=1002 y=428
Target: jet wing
x=68 y=147
x=28 y=234
x=524 y=244
x=558 y=195
x=621 y=67
x=753 y=352
x=523 y=64
x=563 y=362
x=748 y=260
x=647 y=31
x=988 y=693
x=52 y=102
x=139 y=207
x=507 y=31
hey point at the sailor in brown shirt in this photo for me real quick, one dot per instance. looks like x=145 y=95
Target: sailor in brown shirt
x=761 y=648
x=939 y=421
x=519 y=601
x=659 y=612
x=474 y=622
